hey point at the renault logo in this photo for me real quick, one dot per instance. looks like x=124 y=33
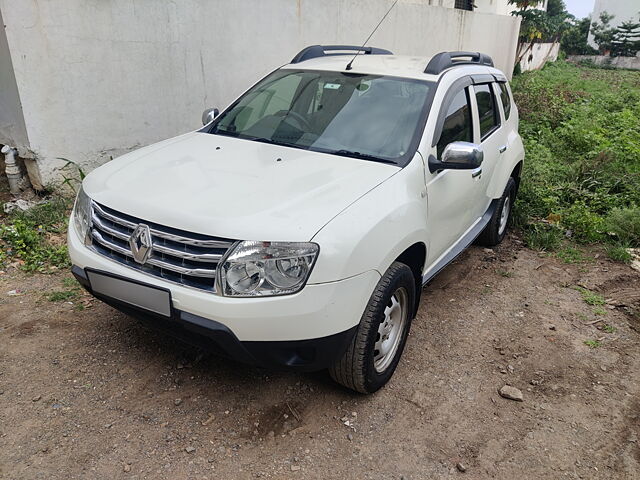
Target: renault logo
x=140 y=243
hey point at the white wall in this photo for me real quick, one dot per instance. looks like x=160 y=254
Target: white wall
x=631 y=63
x=100 y=77
x=622 y=9
x=12 y=127
x=538 y=54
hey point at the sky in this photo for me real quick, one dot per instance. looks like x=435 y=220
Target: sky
x=579 y=8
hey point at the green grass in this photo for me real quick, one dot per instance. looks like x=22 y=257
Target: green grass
x=619 y=254
x=572 y=255
x=591 y=298
x=63 y=295
x=543 y=237
x=27 y=237
x=592 y=343
x=582 y=171
x=609 y=329
x=505 y=273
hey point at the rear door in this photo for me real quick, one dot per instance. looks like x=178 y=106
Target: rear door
x=491 y=137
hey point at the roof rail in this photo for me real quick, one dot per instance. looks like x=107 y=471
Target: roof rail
x=444 y=60
x=316 y=51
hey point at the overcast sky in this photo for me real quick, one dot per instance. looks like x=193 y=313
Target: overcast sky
x=579 y=8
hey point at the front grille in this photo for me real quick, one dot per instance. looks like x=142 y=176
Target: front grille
x=181 y=257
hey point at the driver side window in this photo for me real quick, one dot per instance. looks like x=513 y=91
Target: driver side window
x=274 y=98
x=458 y=123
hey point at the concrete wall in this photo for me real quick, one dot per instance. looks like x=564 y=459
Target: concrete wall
x=622 y=9
x=631 y=63
x=100 y=77
x=12 y=128
x=538 y=55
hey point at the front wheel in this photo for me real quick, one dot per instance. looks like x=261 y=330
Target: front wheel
x=377 y=346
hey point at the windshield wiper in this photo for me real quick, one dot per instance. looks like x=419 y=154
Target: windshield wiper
x=363 y=156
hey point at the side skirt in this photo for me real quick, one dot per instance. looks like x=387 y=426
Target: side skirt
x=461 y=245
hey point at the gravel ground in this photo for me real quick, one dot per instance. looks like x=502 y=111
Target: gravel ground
x=86 y=392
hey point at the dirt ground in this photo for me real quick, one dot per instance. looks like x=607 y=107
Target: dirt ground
x=93 y=394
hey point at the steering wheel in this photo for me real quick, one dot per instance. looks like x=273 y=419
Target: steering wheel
x=302 y=122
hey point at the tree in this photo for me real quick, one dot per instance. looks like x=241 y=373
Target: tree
x=603 y=34
x=574 y=40
x=627 y=39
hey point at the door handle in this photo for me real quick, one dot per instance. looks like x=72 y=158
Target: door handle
x=503 y=149
x=476 y=173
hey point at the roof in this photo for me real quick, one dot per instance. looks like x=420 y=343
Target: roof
x=394 y=65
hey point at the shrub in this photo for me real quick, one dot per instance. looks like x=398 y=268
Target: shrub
x=582 y=141
x=624 y=223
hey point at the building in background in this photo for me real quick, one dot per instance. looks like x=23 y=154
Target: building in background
x=622 y=10
x=95 y=79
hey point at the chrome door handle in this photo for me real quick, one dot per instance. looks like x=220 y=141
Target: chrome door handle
x=476 y=173
x=503 y=149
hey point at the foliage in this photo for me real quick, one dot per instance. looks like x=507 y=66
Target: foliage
x=624 y=223
x=619 y=253
x=574 y=40
x=582 y=141
x=543 y=237
x=592 y=343
x=35 y=238
x=627 y=39
x=525 y=4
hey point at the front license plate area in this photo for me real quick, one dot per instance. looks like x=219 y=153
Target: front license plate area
x=147 y=297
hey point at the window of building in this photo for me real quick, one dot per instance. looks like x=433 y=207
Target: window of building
x=464 y=4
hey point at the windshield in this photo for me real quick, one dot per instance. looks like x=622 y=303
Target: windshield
x=364 y=116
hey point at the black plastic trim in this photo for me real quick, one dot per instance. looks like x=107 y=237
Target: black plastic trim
x=444 y=60
x=316 y=51
x=301 y=355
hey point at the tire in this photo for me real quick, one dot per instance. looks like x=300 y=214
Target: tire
x=496 y=229
x=365 y=367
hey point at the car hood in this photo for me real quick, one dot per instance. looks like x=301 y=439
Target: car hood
x=233 y=188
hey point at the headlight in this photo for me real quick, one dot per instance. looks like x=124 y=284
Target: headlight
x=82 y=216
x=255 y=269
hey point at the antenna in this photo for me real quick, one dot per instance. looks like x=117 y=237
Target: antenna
x=371 y=35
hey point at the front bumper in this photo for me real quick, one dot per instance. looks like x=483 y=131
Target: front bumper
x=315 y=315
x=303 y=355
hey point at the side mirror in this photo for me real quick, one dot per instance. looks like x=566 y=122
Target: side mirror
x=209 y=114
x=458 y=156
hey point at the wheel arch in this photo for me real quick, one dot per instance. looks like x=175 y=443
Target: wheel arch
x=415 y=257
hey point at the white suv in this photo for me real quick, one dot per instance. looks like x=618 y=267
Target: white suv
x=297 y=228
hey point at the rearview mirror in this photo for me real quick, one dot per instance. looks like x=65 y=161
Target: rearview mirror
x=209 y=114
x=458 y=156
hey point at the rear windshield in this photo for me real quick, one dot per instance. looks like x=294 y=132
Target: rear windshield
x=364 y=116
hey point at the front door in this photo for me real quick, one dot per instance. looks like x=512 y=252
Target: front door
x=452 y=194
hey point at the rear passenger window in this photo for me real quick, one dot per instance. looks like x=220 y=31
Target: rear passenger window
x=505 y=98
x=487 y=111
x=457 y=124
